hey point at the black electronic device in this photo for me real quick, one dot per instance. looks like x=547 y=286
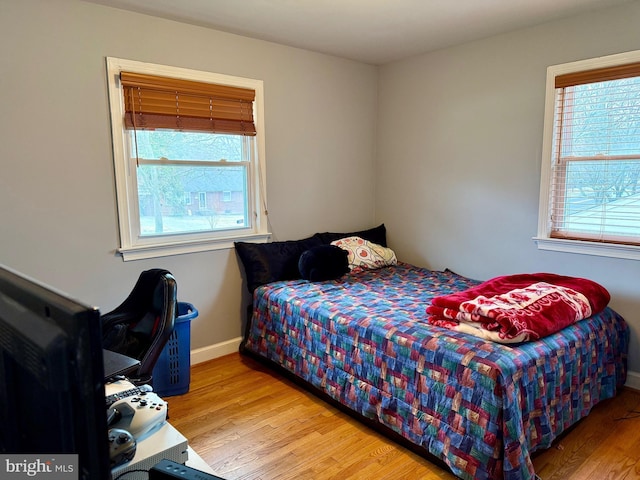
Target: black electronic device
x=168 y=469
x=52 y=397
x=116 y=364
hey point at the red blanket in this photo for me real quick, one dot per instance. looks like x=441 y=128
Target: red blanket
x=517 y=308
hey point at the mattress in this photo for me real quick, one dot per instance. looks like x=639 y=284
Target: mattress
x=480 y=407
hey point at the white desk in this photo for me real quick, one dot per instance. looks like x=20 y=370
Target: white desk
x=167 y=443
x=196 y=461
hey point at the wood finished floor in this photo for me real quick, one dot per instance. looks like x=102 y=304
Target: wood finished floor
x=248 y=423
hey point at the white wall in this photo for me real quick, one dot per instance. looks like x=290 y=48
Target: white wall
x=58 y=216
x=458 y=161
x=459 y=154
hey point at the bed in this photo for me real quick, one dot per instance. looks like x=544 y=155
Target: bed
x=362 y=340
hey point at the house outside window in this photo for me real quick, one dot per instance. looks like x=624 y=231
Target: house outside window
x=168 y=154
x=590 y=184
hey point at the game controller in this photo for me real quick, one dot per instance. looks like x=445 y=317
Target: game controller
x=139 y=414
x=122 y=447
x=119 y=388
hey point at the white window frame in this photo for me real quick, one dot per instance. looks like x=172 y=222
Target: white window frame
x=132 y=245
x=543 y=238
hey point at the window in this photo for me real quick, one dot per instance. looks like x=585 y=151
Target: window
x=181 y=139
x=590 y=185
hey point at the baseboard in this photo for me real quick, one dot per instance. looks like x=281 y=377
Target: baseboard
x=633 y=380
x=210 y=352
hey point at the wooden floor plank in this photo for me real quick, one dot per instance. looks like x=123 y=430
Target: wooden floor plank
x=249 y=423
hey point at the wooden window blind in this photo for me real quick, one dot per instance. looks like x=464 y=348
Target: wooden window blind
x=153 y=102
x=598 y=75
x=596 y=156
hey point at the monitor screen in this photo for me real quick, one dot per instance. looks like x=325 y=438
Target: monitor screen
x=52 y=397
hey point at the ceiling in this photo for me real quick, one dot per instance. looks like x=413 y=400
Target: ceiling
x=369 y=31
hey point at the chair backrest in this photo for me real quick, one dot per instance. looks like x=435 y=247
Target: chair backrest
x=141 y=325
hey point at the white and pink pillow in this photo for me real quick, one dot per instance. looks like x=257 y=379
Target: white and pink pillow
x=366 y=255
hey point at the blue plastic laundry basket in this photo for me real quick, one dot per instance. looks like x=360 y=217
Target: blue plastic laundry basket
x=172 y=372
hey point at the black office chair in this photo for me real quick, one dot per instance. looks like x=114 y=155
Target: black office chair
x=141 y=325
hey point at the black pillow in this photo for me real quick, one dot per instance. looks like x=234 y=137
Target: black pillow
x=270 y=262
x=324 y=262
x=376 y=235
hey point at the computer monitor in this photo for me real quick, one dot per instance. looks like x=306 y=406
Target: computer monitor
x=52 y=397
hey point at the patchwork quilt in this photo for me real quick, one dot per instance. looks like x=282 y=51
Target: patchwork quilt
x=481 y=407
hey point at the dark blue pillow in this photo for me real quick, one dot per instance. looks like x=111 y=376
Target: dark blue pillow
x=324 y=262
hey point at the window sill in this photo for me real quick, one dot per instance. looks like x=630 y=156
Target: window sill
x=179 y=248
x=630 y=252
